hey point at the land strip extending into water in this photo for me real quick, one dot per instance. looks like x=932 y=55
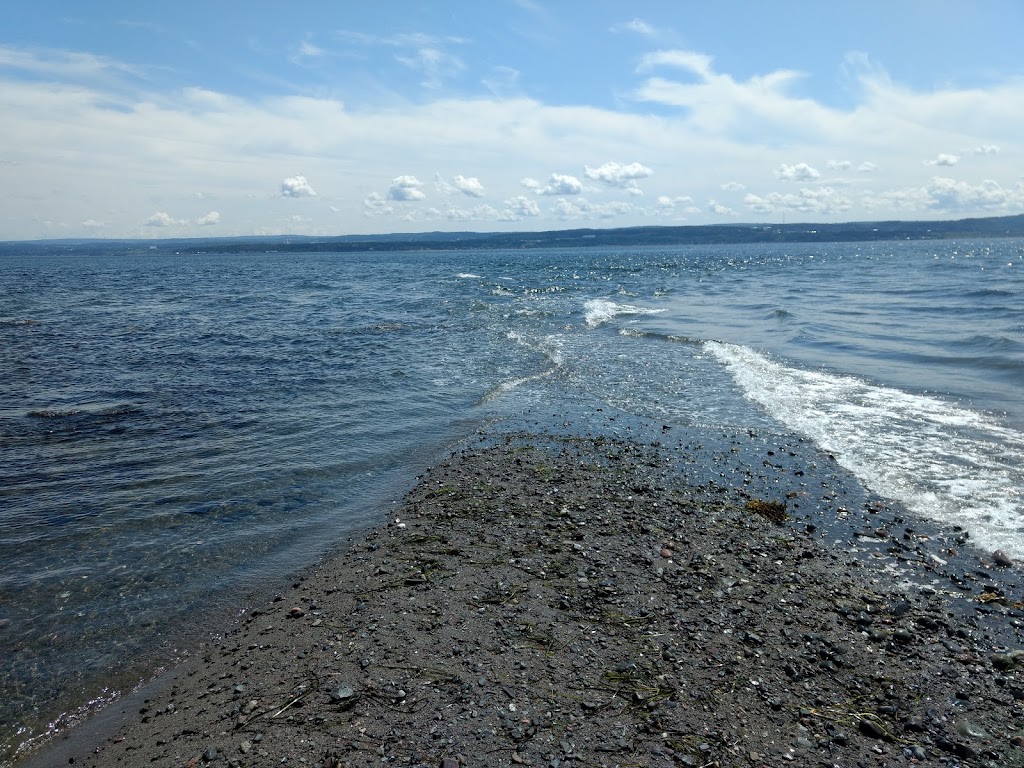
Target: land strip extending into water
x=554 y=599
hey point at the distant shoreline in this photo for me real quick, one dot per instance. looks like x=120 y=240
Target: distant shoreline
x=666 y=236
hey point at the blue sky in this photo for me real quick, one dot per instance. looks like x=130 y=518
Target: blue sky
x=128 y=119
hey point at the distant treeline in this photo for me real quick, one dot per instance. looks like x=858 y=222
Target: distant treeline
x=1001 y=226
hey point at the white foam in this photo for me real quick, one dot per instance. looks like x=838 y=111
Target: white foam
x=600 y=311
x=943 y=461
x=467 y=276
x=550 y=346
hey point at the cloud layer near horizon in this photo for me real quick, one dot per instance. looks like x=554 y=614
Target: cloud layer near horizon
x=90 y=148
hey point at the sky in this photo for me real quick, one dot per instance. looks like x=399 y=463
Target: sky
x=228 y=118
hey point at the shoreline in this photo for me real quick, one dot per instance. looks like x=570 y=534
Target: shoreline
x=551 y=598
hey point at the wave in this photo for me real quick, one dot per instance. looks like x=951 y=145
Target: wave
x=944 y=462
x=600 y=311
x=467 y=276
x=549 y=346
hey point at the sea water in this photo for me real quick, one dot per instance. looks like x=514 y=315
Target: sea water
x=179 y=430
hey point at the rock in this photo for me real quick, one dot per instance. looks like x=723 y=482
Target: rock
x=666 y=552
x=903 y=636
x=870 y=728
x=1001 y=559
x=344 y=696
x=296 y=613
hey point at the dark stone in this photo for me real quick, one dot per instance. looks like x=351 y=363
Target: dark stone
x=870 y=728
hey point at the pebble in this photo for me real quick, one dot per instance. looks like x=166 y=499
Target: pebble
x=1001 y=559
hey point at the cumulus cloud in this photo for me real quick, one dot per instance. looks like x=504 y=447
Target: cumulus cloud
x=469 y=186
x=375 y=204
x=798 y=172
x=733 y=186
x=581 y=208
x=213 y=217
x=296 y=186
x=986 y=149
x=664 y=201
x=839 y=165
x=943 y=159
x=92 y=224
x=867 y=167
x=163 y=219
x=951 y=195
x=406 y=189
x=824 y=201
x=558 y=184
x=479 y=213
x=720 y=210
x=520 y=207
x=618 y=175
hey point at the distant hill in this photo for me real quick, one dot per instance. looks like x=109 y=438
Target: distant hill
x=992 y=227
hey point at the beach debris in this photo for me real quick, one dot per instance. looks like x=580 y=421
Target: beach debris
x=774 y=511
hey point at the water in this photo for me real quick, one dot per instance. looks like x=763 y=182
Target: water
x=178 y=431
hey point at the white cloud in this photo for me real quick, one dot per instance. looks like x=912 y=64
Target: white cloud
x=422 y=53
x=469 y=186
x=375 y=204
x=93 y=224
x=306 y=48
x=636 y=26
x=479 y=213
x=406 y=189
x=798 y=172
x=720 y=210
x=618 y=175
x=823 y=201
x=664 y=201
x=758 y=109
x=558 y=184
x=296 y=186
x=163 y=219
x=520 y=207
x=950 y=195
x=117 y=129
x=579 y=208
x=944 y=159
x=733 y=186
x=213 y=217
x=434 y=64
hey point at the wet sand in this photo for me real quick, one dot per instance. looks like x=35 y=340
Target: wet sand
x=565 y=598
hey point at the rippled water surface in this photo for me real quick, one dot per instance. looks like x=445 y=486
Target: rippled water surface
x=177 y=431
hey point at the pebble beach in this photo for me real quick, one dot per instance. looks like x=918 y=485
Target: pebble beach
x=557 y=597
